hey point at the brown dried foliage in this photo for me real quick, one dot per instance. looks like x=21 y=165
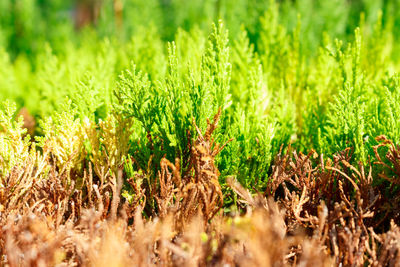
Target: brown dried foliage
x=314 y=212
x=198 y=189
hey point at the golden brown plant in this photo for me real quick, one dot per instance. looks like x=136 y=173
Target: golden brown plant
x=314 y=212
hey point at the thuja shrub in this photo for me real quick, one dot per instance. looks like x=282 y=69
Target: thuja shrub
x=114 y=104
x=204 y=145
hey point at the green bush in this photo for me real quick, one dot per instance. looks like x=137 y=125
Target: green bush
x=127 y=95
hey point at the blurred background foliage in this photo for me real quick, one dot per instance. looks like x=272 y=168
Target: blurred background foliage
x=25 y=25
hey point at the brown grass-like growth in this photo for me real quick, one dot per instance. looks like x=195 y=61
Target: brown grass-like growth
x=313 y=212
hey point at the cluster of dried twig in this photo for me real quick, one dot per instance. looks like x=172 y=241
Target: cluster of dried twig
x=314 y=212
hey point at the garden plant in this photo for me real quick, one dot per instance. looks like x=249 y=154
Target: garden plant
x=199 y=133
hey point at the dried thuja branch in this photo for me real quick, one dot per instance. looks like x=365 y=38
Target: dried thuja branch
x=287 y=247
x=392 y=155
x=46 y=221
x=388 y=168
x=389 y=252
x=334 y=201
x=30 y=241
x=170 y=184
x=38 y=187
x=197 y=189
x=206 y=173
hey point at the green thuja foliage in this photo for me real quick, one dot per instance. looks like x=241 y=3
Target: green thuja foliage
x=346 y=116
x=63 y=138
x=384 y=110
x=354 y=110
x=139 y=99
x=86 y=75
x=249 y=154
x=166 y=109
x=190 y=47
x=125 y=91
x=7 y=76
x=146 y=49
x=14 y=143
